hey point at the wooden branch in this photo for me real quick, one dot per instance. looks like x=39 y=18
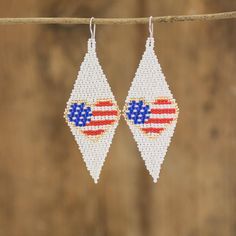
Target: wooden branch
x=116 y=21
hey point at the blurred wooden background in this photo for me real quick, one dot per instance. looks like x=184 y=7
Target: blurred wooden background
x=45 y=188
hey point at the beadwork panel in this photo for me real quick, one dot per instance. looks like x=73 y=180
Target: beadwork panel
x=92 y=113
x=150 y=111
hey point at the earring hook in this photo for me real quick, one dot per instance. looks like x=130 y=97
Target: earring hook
x=92 y=30
x=151 y=26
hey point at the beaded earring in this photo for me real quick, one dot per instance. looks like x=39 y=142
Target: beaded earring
x=150 y=110
x=92 y=112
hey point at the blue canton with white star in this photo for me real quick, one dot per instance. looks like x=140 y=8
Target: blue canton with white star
x=138 y=112
x=79 y=114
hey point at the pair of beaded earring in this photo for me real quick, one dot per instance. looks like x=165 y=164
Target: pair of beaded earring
x=150 y=110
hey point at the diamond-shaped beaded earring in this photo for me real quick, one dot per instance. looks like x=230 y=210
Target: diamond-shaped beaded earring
x=92 y=112
x=150 y=110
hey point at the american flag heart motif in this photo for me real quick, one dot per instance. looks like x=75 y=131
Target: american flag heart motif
x=152 y=118
x=92 y=120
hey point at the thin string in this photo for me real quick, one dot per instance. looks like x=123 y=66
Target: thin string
x=116 y=21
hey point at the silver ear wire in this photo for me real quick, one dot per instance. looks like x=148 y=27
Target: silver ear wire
x=150 y=27
x=92 y=30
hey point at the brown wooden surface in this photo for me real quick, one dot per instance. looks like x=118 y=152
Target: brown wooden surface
x=45 y=188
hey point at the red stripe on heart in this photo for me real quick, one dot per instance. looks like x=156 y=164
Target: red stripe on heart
x=104 y=104
x=159 y=121
x=163 y=111
x=100 y=122
x=93 y=132
x=153 y=130
x=105 y=113
x=162 y=101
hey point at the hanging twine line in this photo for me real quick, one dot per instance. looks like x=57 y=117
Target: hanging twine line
x=117 y=21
